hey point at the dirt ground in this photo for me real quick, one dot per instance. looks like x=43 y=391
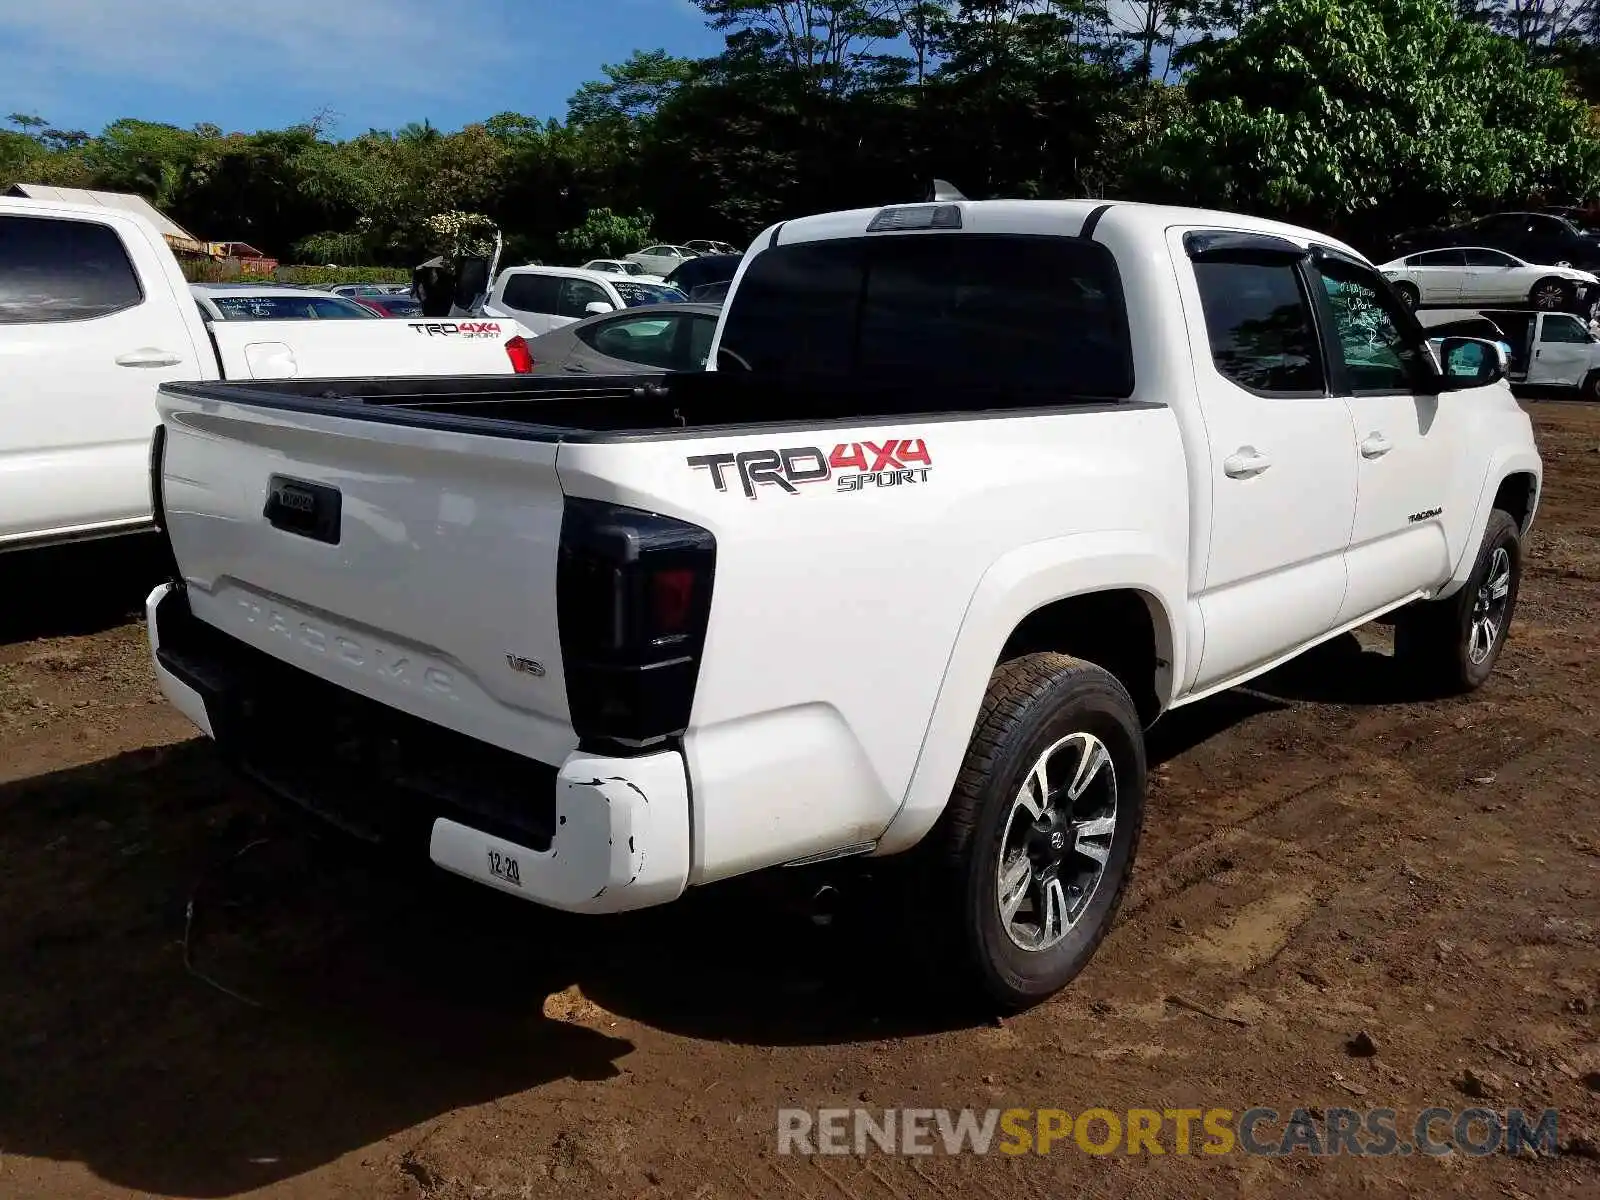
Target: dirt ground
x=1321 y=858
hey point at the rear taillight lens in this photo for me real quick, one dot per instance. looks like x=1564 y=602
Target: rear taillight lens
x=158 y=455
x=633 y=598
x=521 y=358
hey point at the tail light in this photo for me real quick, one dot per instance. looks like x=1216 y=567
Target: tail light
x=158 y=457
x=633 y=597
x=521 y=359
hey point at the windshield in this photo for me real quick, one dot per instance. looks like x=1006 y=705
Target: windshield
x=291 y=308
x=635 y=295
x=1008 y=312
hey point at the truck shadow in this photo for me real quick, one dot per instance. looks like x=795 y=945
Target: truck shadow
x=63 y=591
x=1341 y=671
x=324 y=998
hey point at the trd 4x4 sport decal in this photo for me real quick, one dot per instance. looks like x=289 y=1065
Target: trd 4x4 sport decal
x=471 y=329
x=853 y=467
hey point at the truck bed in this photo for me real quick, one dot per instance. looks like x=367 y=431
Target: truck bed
x=618 y=407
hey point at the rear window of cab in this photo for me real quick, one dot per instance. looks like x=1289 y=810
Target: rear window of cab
x=1039 y=314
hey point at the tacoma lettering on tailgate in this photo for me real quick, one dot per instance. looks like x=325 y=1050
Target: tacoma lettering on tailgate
x=374 y=658
x=853 y=466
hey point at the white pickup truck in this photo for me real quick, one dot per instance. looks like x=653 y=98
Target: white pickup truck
x=95 y=312
x=977 y=491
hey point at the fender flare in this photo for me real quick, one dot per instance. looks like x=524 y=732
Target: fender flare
x=1501 y=467
x=1017 y=584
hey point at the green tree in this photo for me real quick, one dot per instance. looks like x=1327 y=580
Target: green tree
x=1346 y=113
x=605 y=234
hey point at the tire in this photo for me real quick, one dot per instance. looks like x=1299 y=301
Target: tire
x=1590 y=390
x=1409 y=296
x=1551 y=295
x=1035 y=705
x=1440 y=644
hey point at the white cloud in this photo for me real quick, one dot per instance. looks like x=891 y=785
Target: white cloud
x=313 y=48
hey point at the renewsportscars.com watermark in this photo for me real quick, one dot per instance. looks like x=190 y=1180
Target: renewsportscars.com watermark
x=1267 y=1132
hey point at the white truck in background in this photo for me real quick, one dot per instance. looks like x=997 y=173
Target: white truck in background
x=95 y=314
x=977 y=491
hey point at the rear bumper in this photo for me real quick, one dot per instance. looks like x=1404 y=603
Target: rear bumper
x=594 y=835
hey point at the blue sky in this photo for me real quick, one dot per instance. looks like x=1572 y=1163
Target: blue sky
x=252 y=64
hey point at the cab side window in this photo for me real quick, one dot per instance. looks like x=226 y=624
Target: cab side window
x=532 y=293
x=577 y=295
x=1378 y=341
x=60 y=270
x=1561 y=328
x=1259 y=321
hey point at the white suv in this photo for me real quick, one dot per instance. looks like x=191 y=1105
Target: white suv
x=544 y=298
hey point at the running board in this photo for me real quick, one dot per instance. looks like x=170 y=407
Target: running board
x=830 y=855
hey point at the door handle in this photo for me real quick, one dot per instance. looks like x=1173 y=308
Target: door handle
x=1375 y=445
x=1245 y=462
x=148 y=356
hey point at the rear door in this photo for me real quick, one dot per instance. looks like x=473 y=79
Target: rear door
x=1282 y=459
x=1408 y=439
x=1493 y=277
x=89 y=325
x=1561 y=351
x=532 y=299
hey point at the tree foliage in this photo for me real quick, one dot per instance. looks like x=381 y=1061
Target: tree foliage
x=1336 y=114
x=1350 y=114
x=605 y=234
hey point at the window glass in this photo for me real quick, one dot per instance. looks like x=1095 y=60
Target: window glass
x=291 y=308
x=53 y=270
x=647 y=340
x=1561 y=328
x=577 y=294
x=1487 y=258
x=1004 y=312
x=1259 y=322
x=532 y=293
x=1374 y=336
x=634 y=293
x=1435 y=258
x=701 y=330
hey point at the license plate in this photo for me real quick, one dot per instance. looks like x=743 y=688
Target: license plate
x=504 y=866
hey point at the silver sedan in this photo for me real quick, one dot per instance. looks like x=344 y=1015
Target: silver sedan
x=635 y=341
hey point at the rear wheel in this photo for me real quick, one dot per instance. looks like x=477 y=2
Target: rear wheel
x=1451 y=645
x=1551 y=295
x=1591 y=386
x=1409 y=296
x=1029 y=864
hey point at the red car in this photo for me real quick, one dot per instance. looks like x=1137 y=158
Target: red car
x=391 y=306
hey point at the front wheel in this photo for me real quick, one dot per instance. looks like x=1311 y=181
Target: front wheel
x=1551 y=295
x=1451 y=645
x=1035 y=851
x=1409 y=296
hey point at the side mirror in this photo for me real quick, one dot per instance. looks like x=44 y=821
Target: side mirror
x=1470 y=363
x=595 y=307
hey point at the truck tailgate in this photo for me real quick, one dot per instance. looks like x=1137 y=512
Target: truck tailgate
x=414 y=566
x=362 y=349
